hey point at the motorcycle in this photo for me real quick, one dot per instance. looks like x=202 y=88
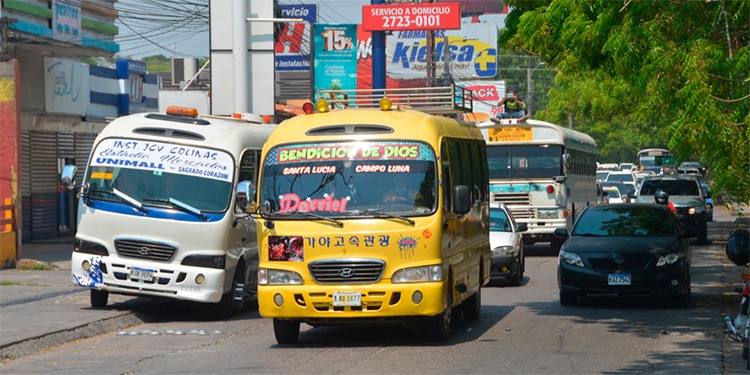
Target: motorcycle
x=738 y=251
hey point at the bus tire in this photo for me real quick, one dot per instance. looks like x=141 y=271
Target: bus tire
x=473 y=305
x=99 y=298
x=438 y=327
x=227 y=306
x=286 y=331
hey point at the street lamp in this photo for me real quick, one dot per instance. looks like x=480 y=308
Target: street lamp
x=530 y=85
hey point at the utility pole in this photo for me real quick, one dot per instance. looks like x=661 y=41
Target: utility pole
x=5 y=54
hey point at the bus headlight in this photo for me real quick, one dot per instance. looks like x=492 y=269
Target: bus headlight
x=547 y=214
x=206 y=261
x=418 y=274
x=87 y=247
x=267 y=276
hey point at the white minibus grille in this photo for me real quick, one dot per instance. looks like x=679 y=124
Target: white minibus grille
x=145 y=249
x=347 y=271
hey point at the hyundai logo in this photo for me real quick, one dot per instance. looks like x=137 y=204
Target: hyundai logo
x=143 y=250
x=619 y=261
x=346 y=272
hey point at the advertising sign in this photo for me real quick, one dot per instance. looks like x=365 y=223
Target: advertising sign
x=444 y=16
x=335 y=57
x=66 y=21
x=486 y=96
x=293 y=44
x=472 y=52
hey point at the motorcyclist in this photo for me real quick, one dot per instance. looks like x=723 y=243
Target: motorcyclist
x=662 y=197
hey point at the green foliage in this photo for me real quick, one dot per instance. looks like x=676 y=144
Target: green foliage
x=637 y=74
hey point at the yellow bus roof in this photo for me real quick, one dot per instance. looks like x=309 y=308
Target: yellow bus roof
x=360 y=123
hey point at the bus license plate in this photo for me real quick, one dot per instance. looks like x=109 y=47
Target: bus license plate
x=141 y=274
x=347 y=299
x=619 y=279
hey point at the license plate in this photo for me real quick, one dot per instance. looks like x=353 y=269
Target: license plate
x=347 y=299
x=141 y=274
x=619 y=279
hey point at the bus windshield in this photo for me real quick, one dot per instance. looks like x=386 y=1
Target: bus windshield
x=346 y=179
x=154 y=173
x=523 y=162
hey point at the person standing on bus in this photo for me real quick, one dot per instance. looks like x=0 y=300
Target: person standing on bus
x=513 y=107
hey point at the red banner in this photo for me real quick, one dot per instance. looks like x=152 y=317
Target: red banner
x=442 y=16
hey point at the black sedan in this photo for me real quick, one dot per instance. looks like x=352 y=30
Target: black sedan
x=625 y=249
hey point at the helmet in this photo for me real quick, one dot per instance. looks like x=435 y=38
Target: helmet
x=738 y=247
x=661 y=197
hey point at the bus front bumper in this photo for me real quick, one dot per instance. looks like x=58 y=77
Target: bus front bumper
x=312 y=303
x=134 y=277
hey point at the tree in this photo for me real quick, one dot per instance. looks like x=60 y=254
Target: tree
x=647 y=73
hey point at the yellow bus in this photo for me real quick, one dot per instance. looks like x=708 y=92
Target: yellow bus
x=373 y=215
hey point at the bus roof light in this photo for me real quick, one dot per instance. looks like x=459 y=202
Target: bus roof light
x=322 y=106
x=550 y=189
x=385 y=104
x=308 y=108
x=174 y=110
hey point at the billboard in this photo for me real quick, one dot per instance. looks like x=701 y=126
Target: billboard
x=293 y=42
x=486 y=95
x=335 y=56
x=411 y=17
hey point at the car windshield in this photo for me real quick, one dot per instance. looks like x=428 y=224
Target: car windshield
x=601 y=175
x=152 y=173
x=524 y=161
x=672 y=187
x=346 y=179
x=499 y=221
x=613 y=192
x=640 y=221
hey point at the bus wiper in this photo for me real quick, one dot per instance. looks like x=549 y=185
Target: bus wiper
x=312 y=215
x=379 y=213
x=179 y=204
x=133 y=202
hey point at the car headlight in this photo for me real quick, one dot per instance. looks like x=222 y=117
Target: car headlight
x=695 y=210
x=418 y=274
x=268 y=276
x=571 y=258
x=503 y=250
x=206 y=261
x=87 y=247
x=667 y=259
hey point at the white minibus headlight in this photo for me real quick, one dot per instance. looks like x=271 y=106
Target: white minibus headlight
x=418 y=274
x=206 y=261
x=267 y=276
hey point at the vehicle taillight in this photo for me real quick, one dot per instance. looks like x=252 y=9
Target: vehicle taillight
x=550 y=189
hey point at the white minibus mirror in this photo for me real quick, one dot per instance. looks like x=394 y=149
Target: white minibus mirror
x=245 y=199
x=68 y=177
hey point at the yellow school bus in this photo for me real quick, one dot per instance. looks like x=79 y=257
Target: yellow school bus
x=374 y=214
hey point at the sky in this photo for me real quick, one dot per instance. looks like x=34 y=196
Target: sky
x=192 y=40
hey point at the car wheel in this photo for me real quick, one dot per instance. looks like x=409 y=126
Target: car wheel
x=703 y=234
x=517 y=278
x=99 y=298
x=286 y=331
x=568 y=299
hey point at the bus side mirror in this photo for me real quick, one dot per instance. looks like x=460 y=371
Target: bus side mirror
x=245 y=199
x=461 y=203
x=68 y=177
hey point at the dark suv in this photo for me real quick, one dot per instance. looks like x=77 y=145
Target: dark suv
x=687 y=196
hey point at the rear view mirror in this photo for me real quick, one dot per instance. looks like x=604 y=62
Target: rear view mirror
x=68 y=177
x=561 y=233
x=522 y=227
x=461 y=204
x=245 y=199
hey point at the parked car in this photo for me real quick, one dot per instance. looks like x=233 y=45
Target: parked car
x=686 y=195
x=508 y=257
x=625 y=190
x=709 y=201
x=625 y=249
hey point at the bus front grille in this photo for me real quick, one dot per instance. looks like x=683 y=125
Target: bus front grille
x=145 y=250
x=347 y=271
x=518 y=204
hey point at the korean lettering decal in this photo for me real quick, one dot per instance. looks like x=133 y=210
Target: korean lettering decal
x=286 y=248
